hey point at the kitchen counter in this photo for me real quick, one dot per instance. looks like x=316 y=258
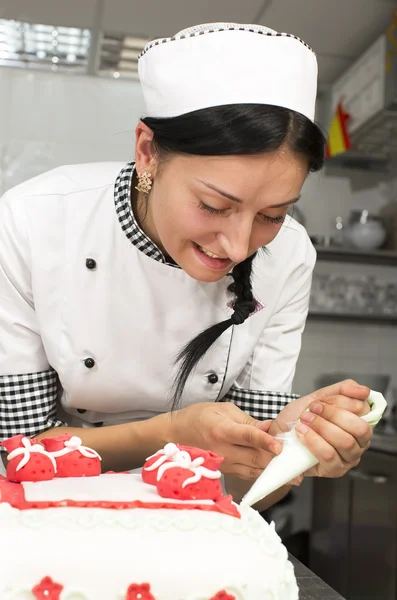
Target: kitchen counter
x=353 y=533
x=310 y=586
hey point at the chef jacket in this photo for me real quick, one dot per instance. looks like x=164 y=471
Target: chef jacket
x=92 y=316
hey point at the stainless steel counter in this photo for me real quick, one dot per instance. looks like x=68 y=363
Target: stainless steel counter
x=310 y=586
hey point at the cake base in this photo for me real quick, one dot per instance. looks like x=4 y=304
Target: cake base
x=94 y=553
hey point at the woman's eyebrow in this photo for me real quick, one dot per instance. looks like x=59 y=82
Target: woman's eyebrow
x=235 y=199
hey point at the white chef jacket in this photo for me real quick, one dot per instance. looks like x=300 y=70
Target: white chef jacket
x=92 y=316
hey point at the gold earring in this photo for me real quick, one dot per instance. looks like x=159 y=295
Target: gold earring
x=144 y=183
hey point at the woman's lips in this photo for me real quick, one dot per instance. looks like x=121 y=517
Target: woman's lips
x=210 y=261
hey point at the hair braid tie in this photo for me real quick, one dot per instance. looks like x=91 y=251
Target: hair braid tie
x=242 y=311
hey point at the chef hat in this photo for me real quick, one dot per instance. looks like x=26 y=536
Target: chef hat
x=227 y=63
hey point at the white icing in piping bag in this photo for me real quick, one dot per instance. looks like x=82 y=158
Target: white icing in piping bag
x=296 y=459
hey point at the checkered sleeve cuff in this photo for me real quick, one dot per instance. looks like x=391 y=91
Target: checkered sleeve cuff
x=28 y=404
x=258 y=404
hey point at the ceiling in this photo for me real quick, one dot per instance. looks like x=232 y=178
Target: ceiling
x=338 y=30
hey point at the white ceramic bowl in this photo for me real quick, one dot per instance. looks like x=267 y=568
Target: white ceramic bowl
x=367 y=236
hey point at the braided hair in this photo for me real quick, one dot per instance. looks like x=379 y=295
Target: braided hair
x=243 y=305
x=240 y=129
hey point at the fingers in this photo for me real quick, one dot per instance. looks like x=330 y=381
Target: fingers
x=249 y=436
x=332 y=440
x=349 y=388
x=337 y=439
x=352 y=389
x=250 y=464
x=252 y=473
x=246 y=463
x=357 y=407
x=330 y=463
x=297 y=481
x=322 y=415
x=246 y=473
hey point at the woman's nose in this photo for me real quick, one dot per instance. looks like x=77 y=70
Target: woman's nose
x=235 y=240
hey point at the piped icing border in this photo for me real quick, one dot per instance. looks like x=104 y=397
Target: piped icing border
x=14 y=494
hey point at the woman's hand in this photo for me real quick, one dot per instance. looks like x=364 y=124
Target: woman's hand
x=348 y=395
x=222 y=427
x=332 y=428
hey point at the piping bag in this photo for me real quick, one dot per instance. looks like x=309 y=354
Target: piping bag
x=296 y=459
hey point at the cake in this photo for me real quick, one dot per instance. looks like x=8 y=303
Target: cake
x=69 y=532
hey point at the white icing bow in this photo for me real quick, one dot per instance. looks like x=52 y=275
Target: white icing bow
x=26 y=451
x=73 y=444
x=167 y=453
x=171 y=457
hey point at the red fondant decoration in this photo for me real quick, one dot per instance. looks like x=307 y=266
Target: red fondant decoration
x=36 y=464
x=47 y=589
x=72 y=459
x=56 y=443
x=211 y=461
x=139 y=591
x=222 y=595
x=150 y=476
x=16 y=442
x=14 y=494
x=171 y=486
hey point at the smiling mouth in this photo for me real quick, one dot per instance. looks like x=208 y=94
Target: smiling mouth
x=211 y=254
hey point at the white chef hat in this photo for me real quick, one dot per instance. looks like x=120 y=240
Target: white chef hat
x=226 y=63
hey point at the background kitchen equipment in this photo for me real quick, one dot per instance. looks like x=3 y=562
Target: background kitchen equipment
x=389 y=216
x=338 y=237
x=393 y=412
x=365 y=231
x=362 y=230
x=337 y=293
x=375 y=381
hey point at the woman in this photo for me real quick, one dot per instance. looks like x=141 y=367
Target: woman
x=137 y=303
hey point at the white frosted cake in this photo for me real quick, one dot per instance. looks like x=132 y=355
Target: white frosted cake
x=168 y=534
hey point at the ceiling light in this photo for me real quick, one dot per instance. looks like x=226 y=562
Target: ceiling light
x=119 y=54
x=32 y=45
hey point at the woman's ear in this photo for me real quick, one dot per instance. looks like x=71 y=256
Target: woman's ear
x=144 y=155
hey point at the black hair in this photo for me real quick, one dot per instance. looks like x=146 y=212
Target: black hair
x=239 y=129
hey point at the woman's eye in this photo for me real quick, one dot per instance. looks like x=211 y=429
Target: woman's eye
x=211 y=209
x=221 y=211
x=268 y=219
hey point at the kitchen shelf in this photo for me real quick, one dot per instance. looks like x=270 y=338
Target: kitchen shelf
x=353 y=318
x=350 y=255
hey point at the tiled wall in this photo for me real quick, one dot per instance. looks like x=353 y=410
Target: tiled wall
x=352 y=348
x=335 y=192
x=342 y=346
x=49 y=119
